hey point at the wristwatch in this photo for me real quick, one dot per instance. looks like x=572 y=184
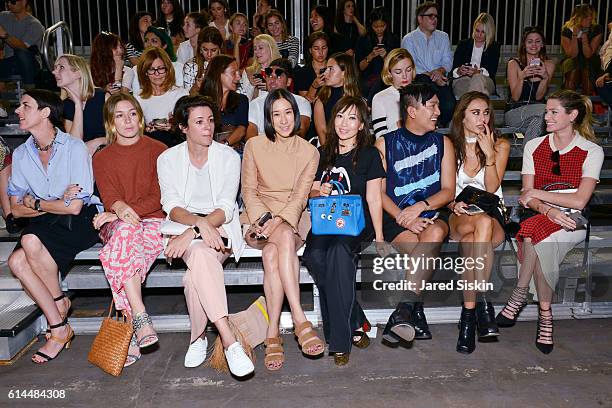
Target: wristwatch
x=196 y=231
x=37 y=205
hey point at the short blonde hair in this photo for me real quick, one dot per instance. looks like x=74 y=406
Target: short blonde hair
x=78 y=63
x=274 y=53
x=488 y=23
x=144 y=63
x=109 y=115
x=392 y=58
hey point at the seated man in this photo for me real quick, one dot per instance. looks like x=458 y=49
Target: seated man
x=278 y=75
x=19 y=31
x=433 y=57
x=420 y=166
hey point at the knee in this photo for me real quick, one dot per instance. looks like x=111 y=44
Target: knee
x=484 y=226
x=31 y=243
x=269 y=255
x=16 y=262
x=436 y=233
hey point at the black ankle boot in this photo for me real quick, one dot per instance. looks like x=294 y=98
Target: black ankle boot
x=400 y=327
x=485 y=320
x=419 y=321
x=466 y=343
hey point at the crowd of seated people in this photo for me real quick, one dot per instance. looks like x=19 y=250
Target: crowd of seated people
x=185 y=137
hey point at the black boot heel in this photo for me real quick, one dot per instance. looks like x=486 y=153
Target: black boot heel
x=466 y=343
x=485 y=321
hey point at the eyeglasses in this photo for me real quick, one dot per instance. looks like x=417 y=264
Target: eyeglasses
x=159 y=70
x=556 y=157
x=277 y=71
x=432 y=16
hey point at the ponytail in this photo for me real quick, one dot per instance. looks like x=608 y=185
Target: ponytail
x=585 y=126
x=571 y=100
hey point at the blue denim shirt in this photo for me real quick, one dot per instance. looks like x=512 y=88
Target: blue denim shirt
x=70 y=163
x=429 y=54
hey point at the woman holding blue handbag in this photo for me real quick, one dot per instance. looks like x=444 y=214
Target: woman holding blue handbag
x=351 y=163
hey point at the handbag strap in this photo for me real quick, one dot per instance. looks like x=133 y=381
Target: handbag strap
x=339 y=187
x=550 y=186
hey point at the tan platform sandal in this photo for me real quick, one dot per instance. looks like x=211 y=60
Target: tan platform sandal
x=274 y=353
x=307 y=337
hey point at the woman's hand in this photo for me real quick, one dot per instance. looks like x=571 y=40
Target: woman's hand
x=74 y=97
x=72 y=191
x=28 y=201
x=540 y=71
x=600 y=82
x=487 y=143
x=408 y=215
x=559 y=217
x=269 y=227
x=102 y=218
x=379 y=52
x=210 y=234
x=526 y=196
x=459 y=208
x=178 y=245
x=418 y=225
x=325 y=190
x=126 y=214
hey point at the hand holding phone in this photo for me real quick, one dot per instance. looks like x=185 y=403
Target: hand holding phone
x=578 y=218
x=473 y=209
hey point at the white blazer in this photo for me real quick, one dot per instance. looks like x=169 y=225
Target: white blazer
x=224 y=170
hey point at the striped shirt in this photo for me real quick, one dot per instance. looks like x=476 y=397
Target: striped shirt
x=385 y=111
x=290 y=49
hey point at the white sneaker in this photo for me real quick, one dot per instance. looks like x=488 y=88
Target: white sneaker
x=239 y=363
x=196 y=354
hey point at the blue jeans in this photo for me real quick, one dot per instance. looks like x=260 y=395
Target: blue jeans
x=22 y=63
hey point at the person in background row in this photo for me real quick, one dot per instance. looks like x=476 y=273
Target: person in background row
x=83 y=102
x=52 y=185
x=158 y=95
x=430 y=49
x=581 y=37
x=288 y=45
x=322 y=19
x=220 y=86
x=398 y=71
x=481 y=163
x=107 y=63
x=126 y=176
x=348 y=24
x=278 y=169
x=219 y=12
x=13 y=225
x=252 y=83
x=529 y=76
x=569 y=160
x=199 y=182
x=194 y=23
x=263 y=6
x=348 y=157
x=340 y=79
x=139 y=25
x=420 y=165
x=210 y=44
x=20 y=35
x=372 y=48
x=156 y=38
x=171 y=17
x=476 y=59
x=309 y=78
x=239 y=45
x=604 y=82
x=278 y=75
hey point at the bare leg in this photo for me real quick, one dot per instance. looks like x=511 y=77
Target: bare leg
x=273 y=288
x=5 y=203
x=519 y=295
x=227 y=336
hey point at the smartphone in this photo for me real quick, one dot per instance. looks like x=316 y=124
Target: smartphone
x=158 y=122
x=473 y=209
x=431 y=214
x=258 y=76
x=535 y=62
x=264 y=218
x=580 y=219
x=322 y=70
x=380 y=45
x=226 y=242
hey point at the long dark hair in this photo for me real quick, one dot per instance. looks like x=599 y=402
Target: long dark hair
x=351 y=77
x=212 y=87
x=209 y=35
x=457 y=135
x=134 y=33
x=178 y=17
x=522 y=51
x=101 y=62
x=331 y=148
x=340 y=12
x=378 y=14
x=327 y=14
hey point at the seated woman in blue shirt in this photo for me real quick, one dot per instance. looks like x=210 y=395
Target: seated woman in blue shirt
x=52 y=184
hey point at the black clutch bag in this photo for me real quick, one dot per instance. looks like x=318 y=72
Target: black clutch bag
x=488 y=202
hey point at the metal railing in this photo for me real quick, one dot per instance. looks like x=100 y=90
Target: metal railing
x=86 y=18
x=63 y=43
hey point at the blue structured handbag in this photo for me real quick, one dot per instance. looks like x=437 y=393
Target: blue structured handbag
x=341 y=214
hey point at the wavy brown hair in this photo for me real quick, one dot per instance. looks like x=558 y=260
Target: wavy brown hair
x=108 y=113
x=522 y=51
x=351 y=77
x=457 y=133
x=144 y=63
x=101 y=62
x=212 y=87
x=209 y=35
x=331 y=148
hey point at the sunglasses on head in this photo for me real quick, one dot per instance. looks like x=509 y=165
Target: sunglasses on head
x=555 y=157
x=277 y=71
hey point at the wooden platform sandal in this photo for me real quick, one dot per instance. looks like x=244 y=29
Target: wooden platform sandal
x=274 y=353
x=307 y=337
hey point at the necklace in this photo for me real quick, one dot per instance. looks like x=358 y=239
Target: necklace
x=47 y=147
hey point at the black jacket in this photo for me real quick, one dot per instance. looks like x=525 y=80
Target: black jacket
x=490 y=56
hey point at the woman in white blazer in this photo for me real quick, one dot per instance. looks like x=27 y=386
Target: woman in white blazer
x=199 y=181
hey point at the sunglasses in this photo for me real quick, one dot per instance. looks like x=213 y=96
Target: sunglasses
x=277 y=71
x=430 y=15
x=13 y=2
x=555 y=157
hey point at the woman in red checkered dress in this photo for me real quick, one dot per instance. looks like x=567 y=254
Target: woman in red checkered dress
x=568 y=161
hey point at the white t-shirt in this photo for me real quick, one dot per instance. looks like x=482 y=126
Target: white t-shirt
x=256 y=110
x=128 y=77
x=476 y=59
x=178 y=77
x=160 y=107
x=184 y=52
x=227 y=31
x=385 y=111
x=201 y=196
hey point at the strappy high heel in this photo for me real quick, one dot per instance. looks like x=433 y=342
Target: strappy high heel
x=65 y=342
x=64 y=316
x=544 y=334
x=132 y=358
x=516 y=303
x=139 y=321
